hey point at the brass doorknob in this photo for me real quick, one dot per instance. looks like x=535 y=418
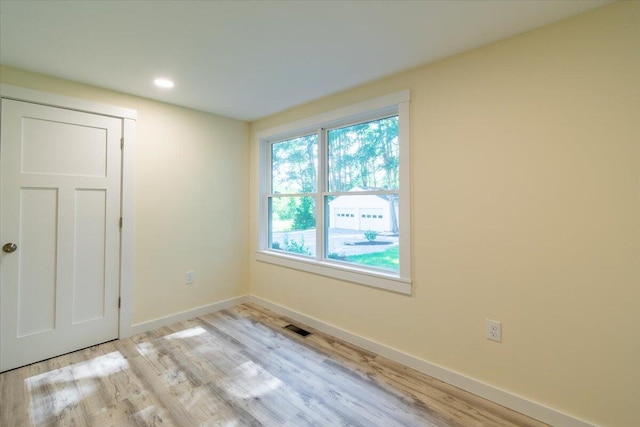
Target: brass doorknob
x=9 y=248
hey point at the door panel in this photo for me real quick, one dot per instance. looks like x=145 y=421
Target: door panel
x=37 y=245
x=50 y=147
x=89 y=274
x=60 y=203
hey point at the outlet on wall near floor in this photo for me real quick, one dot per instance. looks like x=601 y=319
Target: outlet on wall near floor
x=494 y=330
x=189 y=277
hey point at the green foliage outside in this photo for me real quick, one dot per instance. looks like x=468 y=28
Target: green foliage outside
x=304 y=216
x=370 y=235
x=388 y=259
x=294 y=163
x=292 y=245
x=364 y=155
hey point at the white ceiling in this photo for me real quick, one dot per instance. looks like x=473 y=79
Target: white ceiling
x=250 y=59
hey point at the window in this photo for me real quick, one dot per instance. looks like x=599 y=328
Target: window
x=334 y=194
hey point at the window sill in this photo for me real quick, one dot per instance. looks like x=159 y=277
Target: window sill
x=373 y=279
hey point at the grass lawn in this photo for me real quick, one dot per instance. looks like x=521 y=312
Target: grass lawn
x=388 y=259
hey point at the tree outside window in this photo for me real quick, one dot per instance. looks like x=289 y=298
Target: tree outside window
x=362 y=176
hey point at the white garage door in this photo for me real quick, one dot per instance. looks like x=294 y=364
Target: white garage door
x=345 y=218
x=372 y=219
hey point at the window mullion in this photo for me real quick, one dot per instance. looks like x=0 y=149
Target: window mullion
x=405 y=190
x=265 y=183
x=321 y=188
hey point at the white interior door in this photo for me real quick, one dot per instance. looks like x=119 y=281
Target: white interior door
x=60 y=207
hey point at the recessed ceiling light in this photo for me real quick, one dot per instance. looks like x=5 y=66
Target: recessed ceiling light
x=165 y=83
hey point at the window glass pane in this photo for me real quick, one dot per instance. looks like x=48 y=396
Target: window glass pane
x=294 y=164
x=364 y=156
x=363 y=229
x=292 y=225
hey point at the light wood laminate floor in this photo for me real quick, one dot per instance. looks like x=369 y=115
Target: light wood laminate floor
x=236 y=367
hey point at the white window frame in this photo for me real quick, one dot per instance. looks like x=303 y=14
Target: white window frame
x=397 y=103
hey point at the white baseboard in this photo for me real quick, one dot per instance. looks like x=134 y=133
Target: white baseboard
x=139 y=328
x=477 y=387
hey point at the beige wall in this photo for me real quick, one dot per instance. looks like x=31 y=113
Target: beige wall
x=190 y=199
x=525 y=160
x=526 y=209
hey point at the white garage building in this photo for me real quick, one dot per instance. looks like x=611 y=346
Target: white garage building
x=361 y=212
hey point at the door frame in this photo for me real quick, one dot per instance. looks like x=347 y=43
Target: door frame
x=128 y=117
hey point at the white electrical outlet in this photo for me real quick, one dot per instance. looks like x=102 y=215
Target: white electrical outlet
x=189 y=277
x=494 y=330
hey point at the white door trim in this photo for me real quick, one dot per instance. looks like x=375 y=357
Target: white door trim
x=128 y=117
x=19 y=93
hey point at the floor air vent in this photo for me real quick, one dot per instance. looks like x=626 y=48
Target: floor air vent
x=297 y=330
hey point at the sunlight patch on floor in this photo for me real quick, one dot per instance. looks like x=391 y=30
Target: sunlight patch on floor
x=187 y=333
x=145 y=348
x=57 y=390
x=100 y=366
x=249 y=381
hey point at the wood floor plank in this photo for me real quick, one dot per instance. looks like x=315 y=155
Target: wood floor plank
x=14 y=398
x=340 y=385
x=472 y=410
x=236 y=367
